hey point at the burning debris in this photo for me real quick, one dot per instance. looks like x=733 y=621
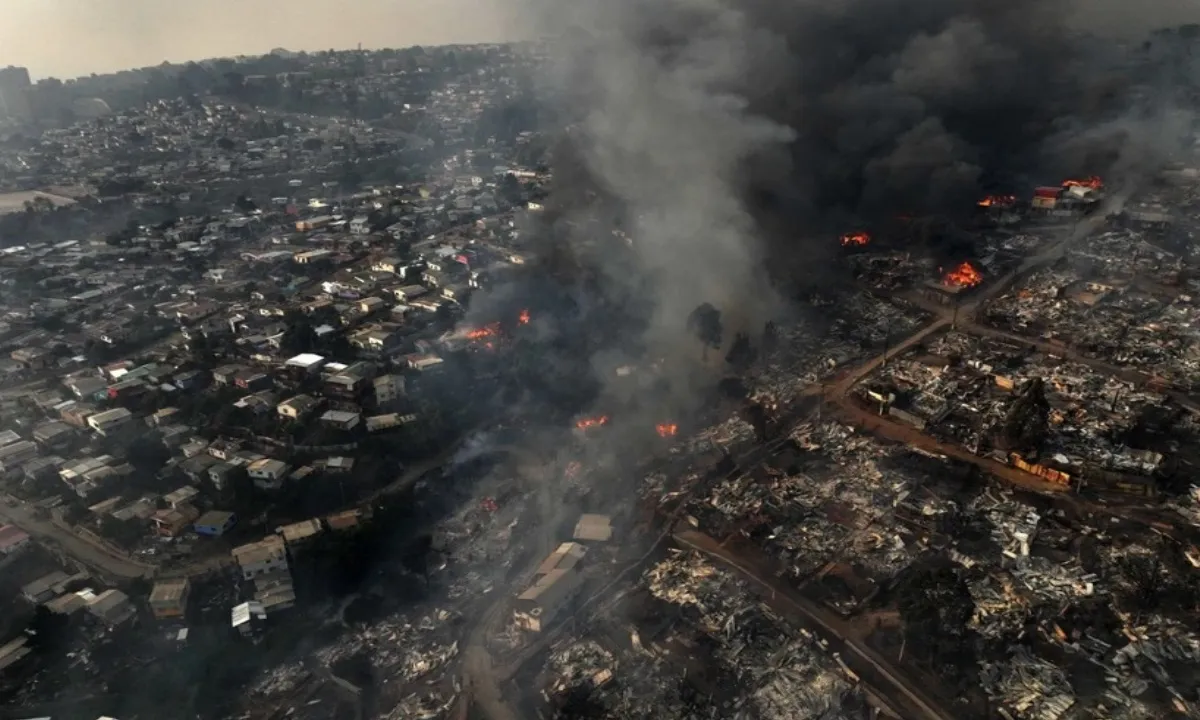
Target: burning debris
x=965 y=275
x=998 y=201
x=591 y=422
x=855 y=239
x=1091 y=183
x=490 y=330
x=666 y=430
x=523 y=318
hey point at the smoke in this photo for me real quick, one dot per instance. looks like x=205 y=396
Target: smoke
x=738 y=134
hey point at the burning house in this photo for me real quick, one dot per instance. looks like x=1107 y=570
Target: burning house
x=953 y=284
x=855 y=240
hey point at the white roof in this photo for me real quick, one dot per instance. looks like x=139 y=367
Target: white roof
x=241 y=614
x=305 y=360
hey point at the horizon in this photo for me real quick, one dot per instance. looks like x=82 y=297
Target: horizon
x=76 y=38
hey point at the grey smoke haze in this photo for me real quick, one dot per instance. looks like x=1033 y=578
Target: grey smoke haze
x=738 y=131
x=66 y=38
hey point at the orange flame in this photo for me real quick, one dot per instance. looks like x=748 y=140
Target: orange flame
x=666 y=429
x=998 y=201
x=523 y=318
x=588 y=423
x=484 y=332
x=855 y=239
x=965 y=275
x=1094 y=182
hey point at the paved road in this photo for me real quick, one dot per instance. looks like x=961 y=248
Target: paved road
x=91 y=554
x=893 y=685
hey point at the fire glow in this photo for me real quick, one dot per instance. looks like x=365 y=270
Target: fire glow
x=856 y=239
x=666 y=429
x=965 y=275
x=486 y=331
x=523 y=318
x=1094 y=183
x=998 y=201
x=592 y=422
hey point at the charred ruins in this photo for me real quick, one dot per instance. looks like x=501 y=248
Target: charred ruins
x=815 y=363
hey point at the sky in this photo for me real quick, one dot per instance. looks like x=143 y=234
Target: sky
x=67 y=38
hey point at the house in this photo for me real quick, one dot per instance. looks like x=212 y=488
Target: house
x=262 y=557
x=305 y=363
x=537 y=606
x=12 y=539
x=268 y=474
x=388 y=389
x=172 y=522
x=109 y=420
x=379 y=423
x=46 y=587
x=300 y=533
x=13 y=455
x=341 y=419
x=88 y=388
x=360 y=225
x=409 y=292
x=252 y=380
x=378 y=338
x=557 y=579
x=388 y=265
x=125 y=389
x=14 y=652
x=567 y=556
x=345 y=520
x=224 y=448
x=193 y=447
x=188 y=380
x=297 y=407
x=275 y=591
x=112 y=607
x=54 y=433
x=423 y=362
x=178 y=497
x=313 y=223
x=76 y=414
x=225 y=374
x=214 y=523
x=33 y=358
x=335 y=465
x=248 y=618
x=162 y=417
x=221 y=473
x=371 y=304
x=594 y=528
x=168 y=599
x=344 y=385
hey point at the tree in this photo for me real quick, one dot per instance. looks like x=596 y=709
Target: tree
x=1028 y=421
x=300 y=337
x=705 y=322
x=226 y=144
x=245 y=204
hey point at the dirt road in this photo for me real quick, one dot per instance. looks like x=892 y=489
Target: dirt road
x=91 y=554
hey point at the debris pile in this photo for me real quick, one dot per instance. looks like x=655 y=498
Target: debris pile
x=1027 y=686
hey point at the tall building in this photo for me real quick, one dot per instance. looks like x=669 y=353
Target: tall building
x=14 y=93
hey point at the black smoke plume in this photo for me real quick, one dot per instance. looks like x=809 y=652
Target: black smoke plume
x=737 y=134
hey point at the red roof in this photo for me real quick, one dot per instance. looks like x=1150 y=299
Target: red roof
x=11 y=536
x=1047 y=192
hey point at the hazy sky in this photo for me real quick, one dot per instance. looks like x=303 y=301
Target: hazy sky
x=66 y=38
